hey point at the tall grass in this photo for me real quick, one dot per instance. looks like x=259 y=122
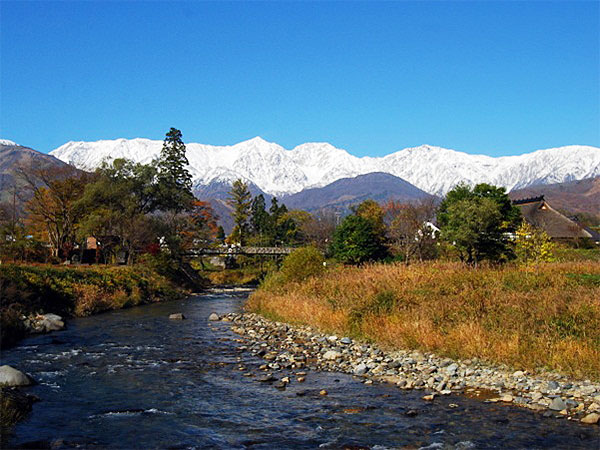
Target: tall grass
x=543 y=317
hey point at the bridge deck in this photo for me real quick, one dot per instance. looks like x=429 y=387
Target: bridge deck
x=233 y=251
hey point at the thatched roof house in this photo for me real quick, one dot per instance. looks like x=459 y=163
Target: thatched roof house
x=538 y=213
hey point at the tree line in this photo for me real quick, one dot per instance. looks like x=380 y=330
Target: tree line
x=129 y=209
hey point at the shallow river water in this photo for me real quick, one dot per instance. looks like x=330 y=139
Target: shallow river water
x=135 y=379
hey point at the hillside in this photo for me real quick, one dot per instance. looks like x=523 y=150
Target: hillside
x=13 y=157
x=342 y=194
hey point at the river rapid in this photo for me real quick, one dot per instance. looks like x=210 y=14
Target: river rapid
x=135 y=379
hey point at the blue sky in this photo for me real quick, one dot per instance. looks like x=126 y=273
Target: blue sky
x=497 y=78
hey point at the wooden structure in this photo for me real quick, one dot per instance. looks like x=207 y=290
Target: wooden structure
x=233 y=250
x=538 y=213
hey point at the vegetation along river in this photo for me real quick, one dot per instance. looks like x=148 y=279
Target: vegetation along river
x=135 y=379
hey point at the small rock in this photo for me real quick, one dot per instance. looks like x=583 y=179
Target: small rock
x=285 y=380
x=300 y=379
x=331 y=355
x=411 y=413
x=346 y=340
x=451 y=369
x=536 y=396
x=507 y=398
x=323 y=392
x=214 y=317
x=176 y=316
x=429 y=397
x=267 y=378
x=591 y=418
x=518 y=374
x=557 y=404
x=9 y=376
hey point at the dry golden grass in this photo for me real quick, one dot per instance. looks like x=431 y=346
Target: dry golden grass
x=546 y=316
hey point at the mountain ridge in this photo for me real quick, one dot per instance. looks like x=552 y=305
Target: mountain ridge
x=279 y=171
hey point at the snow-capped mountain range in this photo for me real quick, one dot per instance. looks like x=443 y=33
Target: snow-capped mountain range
x=279 y=171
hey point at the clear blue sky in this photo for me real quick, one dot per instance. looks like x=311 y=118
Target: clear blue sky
x=496 y=78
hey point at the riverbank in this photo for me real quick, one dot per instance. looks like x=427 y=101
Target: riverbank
x=75 y=291
x=286 y=348
x=536 y=319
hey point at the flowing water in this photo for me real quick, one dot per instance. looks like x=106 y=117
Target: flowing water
x=135 y=379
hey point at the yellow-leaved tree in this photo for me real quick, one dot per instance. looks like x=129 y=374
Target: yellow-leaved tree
x=533 y=245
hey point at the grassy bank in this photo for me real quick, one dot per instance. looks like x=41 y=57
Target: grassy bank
x=546 y=317
x=75 y=291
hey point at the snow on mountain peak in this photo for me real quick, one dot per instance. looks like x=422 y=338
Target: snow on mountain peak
x=279 y=171
x=7 y=142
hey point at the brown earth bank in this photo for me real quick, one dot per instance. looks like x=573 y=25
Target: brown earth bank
x=540 y=318
x=29 y=292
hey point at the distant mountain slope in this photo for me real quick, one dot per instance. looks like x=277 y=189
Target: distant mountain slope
x=342 y=194
x=278 y=171
x=13 y=157
x=581 y=196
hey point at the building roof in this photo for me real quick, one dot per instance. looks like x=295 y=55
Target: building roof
x=538 y=213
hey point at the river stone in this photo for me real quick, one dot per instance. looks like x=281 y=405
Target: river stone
x=213 y=317
x=591 y=418
x=10 y=376
x=360 y=369
x=346 y=340
x=177 y=316
x=451 y=369
x=331 y=355
x=557 y=404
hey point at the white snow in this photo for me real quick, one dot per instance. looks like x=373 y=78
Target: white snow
x=7 y=142
x=278 y=171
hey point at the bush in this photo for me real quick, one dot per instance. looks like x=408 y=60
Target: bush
x=302 y=263
x=299 y=265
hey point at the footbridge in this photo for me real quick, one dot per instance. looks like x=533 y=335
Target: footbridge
x=234 y=250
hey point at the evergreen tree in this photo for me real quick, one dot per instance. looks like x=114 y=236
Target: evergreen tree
x=240 y=201
x=259 y=220
x=220 y=235
x=477 y=222
x=355 y=241
x=174 y=179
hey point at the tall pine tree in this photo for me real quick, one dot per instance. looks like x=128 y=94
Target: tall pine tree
x=174 y=179
x=240 y=200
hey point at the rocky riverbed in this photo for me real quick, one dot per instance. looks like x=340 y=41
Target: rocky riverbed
x=290 y=351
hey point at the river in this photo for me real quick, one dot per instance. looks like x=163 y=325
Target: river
x=135 y=379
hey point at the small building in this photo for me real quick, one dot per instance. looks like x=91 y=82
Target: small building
x=538 y=213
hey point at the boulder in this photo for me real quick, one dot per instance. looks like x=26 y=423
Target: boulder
x=177 y=316
x=44 y=323
x=214 y=317
x=591 y=418
x=10 y=376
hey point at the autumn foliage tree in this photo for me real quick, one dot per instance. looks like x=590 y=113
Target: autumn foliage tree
x=53 y=207
x=409 y=228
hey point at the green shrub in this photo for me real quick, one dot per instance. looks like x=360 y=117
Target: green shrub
x=299 y=265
